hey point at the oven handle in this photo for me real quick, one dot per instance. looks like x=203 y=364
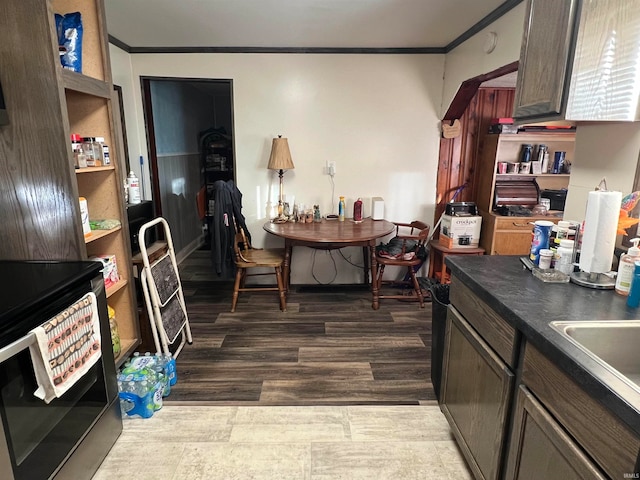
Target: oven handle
x=13 y=348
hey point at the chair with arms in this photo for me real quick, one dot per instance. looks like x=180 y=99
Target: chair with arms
x=246 y=258
x=408 y=250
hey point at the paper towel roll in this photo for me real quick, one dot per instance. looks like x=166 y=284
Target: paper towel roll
x=600 y=226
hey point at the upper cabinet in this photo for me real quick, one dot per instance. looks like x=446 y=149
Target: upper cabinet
x=545 y=59
x=544 y=70
x=579 y=61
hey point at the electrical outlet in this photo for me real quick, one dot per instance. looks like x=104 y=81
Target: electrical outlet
x=331 y=168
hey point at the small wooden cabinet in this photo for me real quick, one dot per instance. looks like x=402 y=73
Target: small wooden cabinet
x=502 y=235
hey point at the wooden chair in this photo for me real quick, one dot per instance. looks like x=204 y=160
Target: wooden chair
x=247 y=258
x=410 y=248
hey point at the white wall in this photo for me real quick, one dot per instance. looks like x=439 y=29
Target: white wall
x=122 y=75
x=607 y=151
x=468 y=60
x=376 y=116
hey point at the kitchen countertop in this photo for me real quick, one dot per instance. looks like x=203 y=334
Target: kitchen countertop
x=529 y=304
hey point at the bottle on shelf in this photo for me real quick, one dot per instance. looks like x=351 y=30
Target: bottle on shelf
x=133 y=188
x=626 y=268
x=341 y=208
x=79 y=158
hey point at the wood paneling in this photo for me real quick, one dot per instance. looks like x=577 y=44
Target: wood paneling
x=179 y=206
x=458 y=159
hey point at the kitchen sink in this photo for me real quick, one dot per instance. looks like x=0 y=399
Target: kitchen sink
x=615 y=344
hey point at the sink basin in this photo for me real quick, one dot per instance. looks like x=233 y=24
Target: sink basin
x=614 y=344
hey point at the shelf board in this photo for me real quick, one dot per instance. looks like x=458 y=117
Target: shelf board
x=127 y=347
x=84 y=84
x=529 y=175
x=96 y=234
x=118 y=286
x=159 y=246
x=106 y=168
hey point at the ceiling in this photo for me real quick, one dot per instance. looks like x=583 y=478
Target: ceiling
x=140 y=25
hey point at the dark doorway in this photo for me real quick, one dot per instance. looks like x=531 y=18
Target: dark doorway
x=182 y=117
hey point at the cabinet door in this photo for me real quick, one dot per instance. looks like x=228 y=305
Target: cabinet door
x=476 y=392
x=511 y=243
x=545 y=58
x=540 y=448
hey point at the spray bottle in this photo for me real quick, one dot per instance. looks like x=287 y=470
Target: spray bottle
x=626 y=268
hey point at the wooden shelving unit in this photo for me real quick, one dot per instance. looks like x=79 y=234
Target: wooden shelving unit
x=502 y=235
x=39 y=207
x=91 y=111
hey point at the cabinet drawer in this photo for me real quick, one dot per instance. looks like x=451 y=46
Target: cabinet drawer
x=490 y=326
x=514 y=224
x=608 y=441
x=476 y=395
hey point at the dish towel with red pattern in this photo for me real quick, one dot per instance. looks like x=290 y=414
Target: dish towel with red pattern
x=66 y=346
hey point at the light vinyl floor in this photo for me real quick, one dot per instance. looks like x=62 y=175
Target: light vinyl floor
x=279 y=443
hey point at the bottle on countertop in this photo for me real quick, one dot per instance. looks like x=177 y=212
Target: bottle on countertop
x=341 y=208
x=633 y=300
x=564 y=256
x=626 y=268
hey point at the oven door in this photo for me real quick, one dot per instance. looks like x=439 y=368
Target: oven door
x=38 y=437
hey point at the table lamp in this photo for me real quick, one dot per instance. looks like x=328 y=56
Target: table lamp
x=280 y=160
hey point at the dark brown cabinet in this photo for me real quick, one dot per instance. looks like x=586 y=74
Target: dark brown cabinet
x=476 y=392
x=545 y=59
x=540 y=448
x=543 y=426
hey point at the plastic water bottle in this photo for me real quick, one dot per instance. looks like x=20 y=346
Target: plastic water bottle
x=171 y=370
x=135 y=397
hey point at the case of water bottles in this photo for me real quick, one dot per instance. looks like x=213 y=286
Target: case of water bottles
x=143 y=382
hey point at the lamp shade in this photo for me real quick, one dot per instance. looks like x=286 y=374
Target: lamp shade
x=280 y=158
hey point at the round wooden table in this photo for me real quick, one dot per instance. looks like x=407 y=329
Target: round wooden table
x=333 y=234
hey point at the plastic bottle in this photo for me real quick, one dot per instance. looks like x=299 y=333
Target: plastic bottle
x=341 y=208
x=626 y=268
x=135 y=397
x=564 y=256
x=89 y=150
x=170 y=368
x=633 y=300
x=84 y=216
x=133 y=187
x=357 y=210
x=98 y=148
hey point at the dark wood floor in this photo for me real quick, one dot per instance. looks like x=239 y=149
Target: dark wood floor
x=329 y=348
